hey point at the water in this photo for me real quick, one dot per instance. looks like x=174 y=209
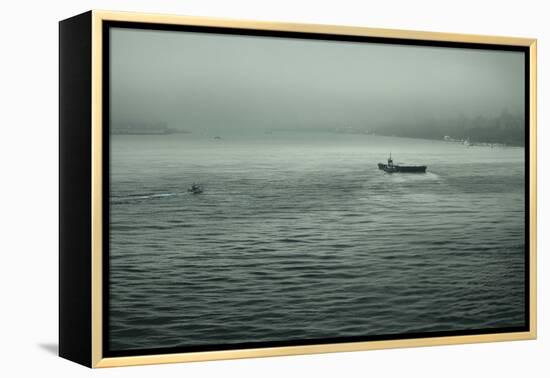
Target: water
x=299 y=236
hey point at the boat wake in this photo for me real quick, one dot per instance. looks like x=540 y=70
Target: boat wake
x=139 y=198
x=428 y=176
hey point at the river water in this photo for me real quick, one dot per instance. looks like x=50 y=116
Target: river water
x=299 y=236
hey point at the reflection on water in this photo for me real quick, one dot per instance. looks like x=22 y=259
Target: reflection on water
x=300 y=236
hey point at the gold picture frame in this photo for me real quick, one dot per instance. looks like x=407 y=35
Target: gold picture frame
x=90 y=265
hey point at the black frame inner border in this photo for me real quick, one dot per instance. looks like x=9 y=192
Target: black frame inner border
x=106 y=25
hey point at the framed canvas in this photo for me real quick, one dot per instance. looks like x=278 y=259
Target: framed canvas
x=235 y=189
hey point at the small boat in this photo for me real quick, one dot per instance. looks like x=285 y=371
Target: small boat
x=394 y=168
x=195 y=189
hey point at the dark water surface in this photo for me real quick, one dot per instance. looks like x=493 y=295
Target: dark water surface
x=300 y=236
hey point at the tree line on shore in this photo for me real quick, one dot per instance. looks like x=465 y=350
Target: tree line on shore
x=505 y=128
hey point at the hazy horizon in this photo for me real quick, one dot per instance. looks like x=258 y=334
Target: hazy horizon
x=199 y=81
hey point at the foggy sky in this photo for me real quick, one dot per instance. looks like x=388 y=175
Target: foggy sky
x=201 y=81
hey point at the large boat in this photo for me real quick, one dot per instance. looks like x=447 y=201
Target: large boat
x=394 y=168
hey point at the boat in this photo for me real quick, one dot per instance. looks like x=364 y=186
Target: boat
x=399 y=168
x=195 y=189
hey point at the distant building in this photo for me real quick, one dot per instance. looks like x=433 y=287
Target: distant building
x=448 y=138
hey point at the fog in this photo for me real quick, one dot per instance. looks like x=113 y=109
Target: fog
x=197 y=81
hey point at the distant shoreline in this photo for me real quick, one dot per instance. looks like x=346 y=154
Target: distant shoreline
x=275 y=132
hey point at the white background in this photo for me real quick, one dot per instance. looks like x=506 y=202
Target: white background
x=29 y=189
